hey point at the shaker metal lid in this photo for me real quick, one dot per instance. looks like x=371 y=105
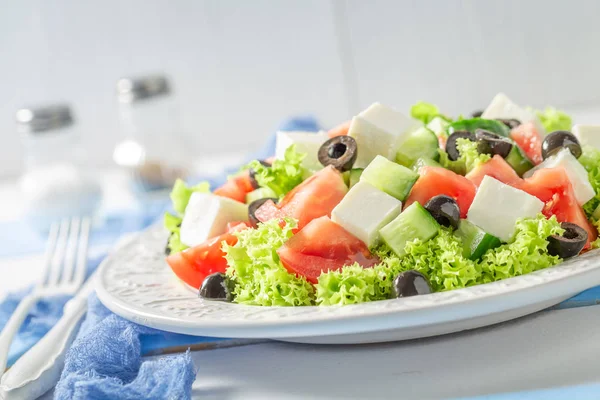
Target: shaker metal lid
x=140 y=88
x=44 y=118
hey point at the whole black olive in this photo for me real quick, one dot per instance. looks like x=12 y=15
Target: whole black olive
x=255 y=205
x=490 y=143
x=410 y=283
x=216 y=287
x=451 y=148
x=444 y=210
x=558 y=140
x=340 y=152
x=477 y=114
x=570 y=243
x=252 y=173
x=510 y=122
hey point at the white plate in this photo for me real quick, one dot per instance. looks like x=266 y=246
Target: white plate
x=136 y=283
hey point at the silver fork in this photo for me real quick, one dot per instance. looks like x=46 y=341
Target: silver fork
x=64 y=273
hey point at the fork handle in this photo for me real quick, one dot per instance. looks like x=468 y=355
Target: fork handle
x=12 y=327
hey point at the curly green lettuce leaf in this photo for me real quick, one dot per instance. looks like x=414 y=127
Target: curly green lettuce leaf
x=426 y=112
x=283 y=175
x=590 y=159
x=181 y=193
x=468 y=160
x=596 y=243
x=441 y=260
x=554 y=120
x=173 y=225
x=354 y=284
x=527 y=251
x=258 y=275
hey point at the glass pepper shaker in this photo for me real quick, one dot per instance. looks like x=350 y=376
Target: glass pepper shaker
x=152 y=147
x=57 y=181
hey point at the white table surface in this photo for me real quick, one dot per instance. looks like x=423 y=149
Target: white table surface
x=549 y=349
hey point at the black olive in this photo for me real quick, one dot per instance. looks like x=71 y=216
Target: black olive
x=444 y=210
x=340 y=152
x=252 y=173
x=216 y=287
x=490 y=143
x=451 y=148
x=255 y=205
x=570 y=243
x=410 y=283
x=558 y=140
x=477 y=114
x=510 y=122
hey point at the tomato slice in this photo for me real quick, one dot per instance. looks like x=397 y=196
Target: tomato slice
x=553 y=187
x=340 y=130
x=497 y=168
x=196 y=263
x=529 y=140
x=323 y=246
x=236 y=187
x=434 y=181
x=315 y=197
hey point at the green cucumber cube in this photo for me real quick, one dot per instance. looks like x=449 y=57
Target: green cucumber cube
x=420 y=143
x=260 y=193
x=475 y=240
x=413 y=223
x=392 y=178
x=354 y=176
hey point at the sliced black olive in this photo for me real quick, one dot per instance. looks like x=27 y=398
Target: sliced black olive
x=510 y=122
x=444 y=210
x=410 y=283
x=255 y=205
x=490 y=143
x=451 y=148
x=216 y=287
x=252 y=173
x=570 y=243
x=340 y=151
x=477 y=114
x=558 y=140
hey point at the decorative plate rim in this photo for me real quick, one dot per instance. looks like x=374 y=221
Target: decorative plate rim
x=136 y=283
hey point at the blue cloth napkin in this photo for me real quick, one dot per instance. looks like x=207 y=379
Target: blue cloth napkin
x=105 y=360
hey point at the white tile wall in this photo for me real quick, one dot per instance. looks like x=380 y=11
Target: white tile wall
x=239 y=67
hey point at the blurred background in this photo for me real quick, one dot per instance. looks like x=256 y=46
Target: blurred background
x=228 y=72
x=238 y=67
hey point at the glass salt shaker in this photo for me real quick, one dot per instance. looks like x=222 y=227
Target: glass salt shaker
x=56 y=182
x=152 y=148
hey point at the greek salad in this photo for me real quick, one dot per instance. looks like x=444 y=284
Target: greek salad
x=389 y=205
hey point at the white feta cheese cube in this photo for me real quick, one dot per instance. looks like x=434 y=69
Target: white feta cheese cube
x=497 y=207
x=306 y=142
x=575 y=171
x=364 y=211
x=504 y=108
x=438 y=126
x=588 y=135
x=379 y=130
x=207 y=216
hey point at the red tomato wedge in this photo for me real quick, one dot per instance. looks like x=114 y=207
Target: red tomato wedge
x=323 y=246
x=236 y=187
x=196 y=263
x=553 y=187
x=529 y=140
x=442 y=140
x=434 y=181
x=497 y=168
x=340 y=130
x=315 y=197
